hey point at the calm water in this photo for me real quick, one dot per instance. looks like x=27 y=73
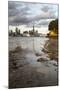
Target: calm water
x=35 y=44
x=31 y=43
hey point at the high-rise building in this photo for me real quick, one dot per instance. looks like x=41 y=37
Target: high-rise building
x=33 y=29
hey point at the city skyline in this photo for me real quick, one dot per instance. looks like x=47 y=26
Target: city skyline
x=25 y=14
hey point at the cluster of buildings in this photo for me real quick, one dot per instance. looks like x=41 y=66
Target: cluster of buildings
x=32 y=33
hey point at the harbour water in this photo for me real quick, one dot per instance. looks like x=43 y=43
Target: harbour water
x=41 y=53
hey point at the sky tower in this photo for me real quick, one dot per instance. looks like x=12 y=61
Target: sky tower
x=33 y=28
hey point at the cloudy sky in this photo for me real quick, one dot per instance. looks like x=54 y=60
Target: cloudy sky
x=24 y=15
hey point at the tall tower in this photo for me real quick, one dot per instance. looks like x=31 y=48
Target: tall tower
x=33 y=28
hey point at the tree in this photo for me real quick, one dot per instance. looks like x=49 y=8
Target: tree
x=53 y=26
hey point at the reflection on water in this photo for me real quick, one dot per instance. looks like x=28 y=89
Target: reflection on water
x=51 y=48
x=36 y=44
x=31 y=43
x=42 y=55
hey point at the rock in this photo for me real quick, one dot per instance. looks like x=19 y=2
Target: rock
x=42 y=60
x=37 y=54
x=15 y=66
x=45 y=50
x=55 y=69
x=17 y=49
x=55 y=64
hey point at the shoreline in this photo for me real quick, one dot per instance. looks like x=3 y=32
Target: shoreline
x=24 y=74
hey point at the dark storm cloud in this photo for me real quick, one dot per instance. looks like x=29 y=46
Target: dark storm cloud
x=14 y=4
x=12 y=11
x=44 y=22
x=21 y=20
x=45 y=8
x=18 y=13
x=41 y=23
x=11 y=5
x=45 y=16
x=24 y=14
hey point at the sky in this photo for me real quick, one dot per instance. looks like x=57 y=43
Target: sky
x=26 y=14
